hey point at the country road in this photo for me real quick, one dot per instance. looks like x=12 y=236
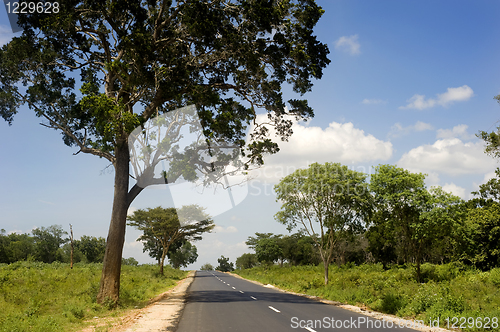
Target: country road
x=220 y=302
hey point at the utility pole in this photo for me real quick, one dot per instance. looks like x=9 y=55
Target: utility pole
x=72 y=247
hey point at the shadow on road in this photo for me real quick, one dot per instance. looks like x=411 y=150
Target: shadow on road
x=233 y=296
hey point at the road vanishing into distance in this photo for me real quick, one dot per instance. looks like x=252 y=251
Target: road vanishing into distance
x=219 y=302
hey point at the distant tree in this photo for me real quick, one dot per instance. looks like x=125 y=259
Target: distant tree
x=268 y=250
x=300 y=249
x=482 y=236
x=47 y=242
x=403 y=196
x=65 y=253
x=130 y=261
x=246 y=261
x=383 y=241
x=163 y=227
x=479 y=238
x=207 y=267
x=4 y=258
x=183 y=256
x=16 y=247
x=92 y=248
x=328 y=201
x=224 y=264
x=252 y=241
x=439 y=226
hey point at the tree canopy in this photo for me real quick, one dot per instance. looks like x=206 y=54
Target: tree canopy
x=327 y=201
x=164 y=227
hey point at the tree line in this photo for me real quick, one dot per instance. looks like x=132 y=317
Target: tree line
x=48 y=245
x=391 y=219
x=164 y=235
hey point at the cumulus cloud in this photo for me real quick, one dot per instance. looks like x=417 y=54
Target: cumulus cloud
x=398 y=129
x=348 y=44
x=373 y=101
x=462 y=93
x=339 y=142
x=448 y=156
x=131 y=210
x=459 y=131
x=455 y=190
x=221 y=229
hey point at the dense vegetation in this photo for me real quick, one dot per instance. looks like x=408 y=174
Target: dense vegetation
x=49 y=244
x=404 y=224
x=36 y=296
x=403 y=249
x=448 y=290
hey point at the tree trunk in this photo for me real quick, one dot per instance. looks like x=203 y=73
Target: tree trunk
x=72 y=246
x=325 y=264
x=110 y=278
x=161 y=264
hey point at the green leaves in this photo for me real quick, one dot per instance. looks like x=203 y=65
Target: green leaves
x=136 y=59
x=328 y=201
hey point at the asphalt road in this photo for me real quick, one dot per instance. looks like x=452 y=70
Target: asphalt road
x=220 y=302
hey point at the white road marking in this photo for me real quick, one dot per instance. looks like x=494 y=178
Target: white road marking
x=310 y=329
x=233 y=288
x=273 y=308
x=253 y=297
x=242 y=292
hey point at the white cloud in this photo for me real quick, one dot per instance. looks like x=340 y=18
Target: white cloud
x=348 y=44
x=221 y=229
x=462 y=93
x=373 y=101
x=448 y=156
x=421 y=126
x=455 y=190
x=459 y=131
x=339 y=142
x=398 y=129
x=488 y=176
x=131 y=210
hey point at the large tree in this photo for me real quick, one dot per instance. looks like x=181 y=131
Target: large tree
x=328 y=201
x=186 y=254
x=419 y=220
x=95 y=70
x=47 y=242
x=168 y=226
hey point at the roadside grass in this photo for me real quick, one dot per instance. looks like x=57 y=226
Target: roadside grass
x=448 y=291
x=43 y=297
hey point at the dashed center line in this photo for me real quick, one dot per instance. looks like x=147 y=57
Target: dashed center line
x=310 y=329
x=233 y=287
x=253 y=297
x=273 y=308
x=242 y=292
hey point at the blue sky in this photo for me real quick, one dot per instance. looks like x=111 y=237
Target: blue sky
x=410 y=83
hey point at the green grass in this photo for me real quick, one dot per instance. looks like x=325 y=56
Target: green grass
x=52 y=297
x=448 y=291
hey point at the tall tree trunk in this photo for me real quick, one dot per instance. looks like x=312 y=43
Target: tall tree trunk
x=325 y=265
x=110 y=278
x=162 y=263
